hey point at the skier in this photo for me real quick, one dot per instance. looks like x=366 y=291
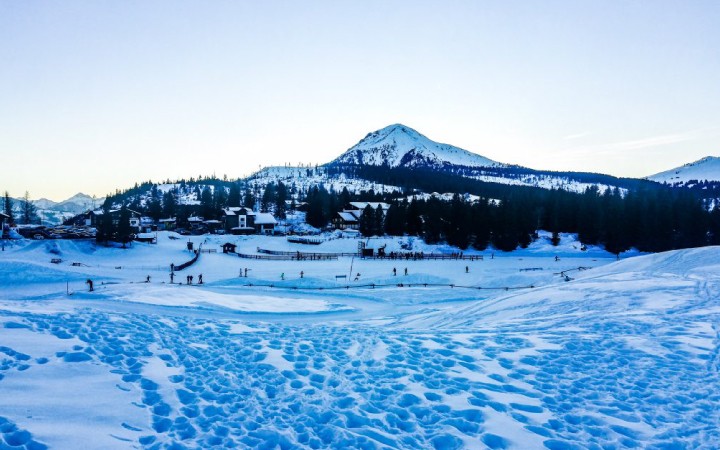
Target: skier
x=557 y=258
x=282 y=276
x=246 y=272
x=172 y=277
x=302 y=273
x=200 y=279
x=467 y=269
x=147 y=280
x=191 y=279
x=188 y=279
x=172 y=267
x=406 y=271
x=89 y=282
x=394 y=272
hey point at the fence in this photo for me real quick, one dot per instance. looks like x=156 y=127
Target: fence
x=304 y=254
x=187 y=264
x=293 y=257
x=305 y=240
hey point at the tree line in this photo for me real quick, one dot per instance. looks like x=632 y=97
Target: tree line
x=646 y=215
x=28 y=211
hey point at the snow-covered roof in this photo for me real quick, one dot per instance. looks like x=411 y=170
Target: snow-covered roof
x=265 y=219
x=347 y=216
x=373 y=205
x=171 y=219
x=238 y=211
x=195 y=219
x=212 y=222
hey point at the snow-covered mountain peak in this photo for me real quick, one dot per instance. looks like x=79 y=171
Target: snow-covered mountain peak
x=704 y=169
x=398 y=145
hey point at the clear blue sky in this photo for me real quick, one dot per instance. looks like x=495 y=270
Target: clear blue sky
x=96 y=95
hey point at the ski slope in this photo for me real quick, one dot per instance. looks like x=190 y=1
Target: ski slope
x=455 y=354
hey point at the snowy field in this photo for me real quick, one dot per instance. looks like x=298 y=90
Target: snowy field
x=517 y=350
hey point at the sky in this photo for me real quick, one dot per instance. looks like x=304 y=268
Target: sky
x=96 y=96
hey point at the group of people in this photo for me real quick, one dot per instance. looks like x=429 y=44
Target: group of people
x=188 y=279
x=395 y=271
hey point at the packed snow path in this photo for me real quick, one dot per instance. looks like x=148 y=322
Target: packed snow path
x=624 y=356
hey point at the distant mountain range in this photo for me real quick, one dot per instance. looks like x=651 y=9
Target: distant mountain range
x=54 y=213
x=76 y=204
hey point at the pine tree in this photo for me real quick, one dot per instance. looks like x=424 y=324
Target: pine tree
x=170 y=203
x=367 y=221
x=395 y=219
x=124 y=231
x=268 y=197
x=234 y=195
x=249 y=199
x=379 y=221
x=220 y=199
x=207 y=208
x=281 y=195
x=154 y=204
x=7 y=206
x=106 y=229
x=29 y=210
x=414 y=220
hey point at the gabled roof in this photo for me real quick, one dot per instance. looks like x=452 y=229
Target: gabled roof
x=347 y=216
x=100 y=212
x=4 y=216
x=238 y=211
x=265 y=219
x=373 y=205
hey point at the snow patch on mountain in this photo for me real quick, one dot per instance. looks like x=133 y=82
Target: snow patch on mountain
x=705 y=169
x=400 y=146
x=303 y=178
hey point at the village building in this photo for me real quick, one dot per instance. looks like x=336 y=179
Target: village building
x=241 y=220
x=93 y=218
x=229 y=247
x=265 y=223
x=147 y=225
x=214 y=226
x=167 y=224
x=349 y=218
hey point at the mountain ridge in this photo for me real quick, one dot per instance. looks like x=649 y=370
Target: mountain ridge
x=704 y=169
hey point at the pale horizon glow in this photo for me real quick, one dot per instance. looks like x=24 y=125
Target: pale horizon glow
x=96 y=96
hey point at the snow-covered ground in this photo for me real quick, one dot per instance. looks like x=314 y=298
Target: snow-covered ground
x=514 y=350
